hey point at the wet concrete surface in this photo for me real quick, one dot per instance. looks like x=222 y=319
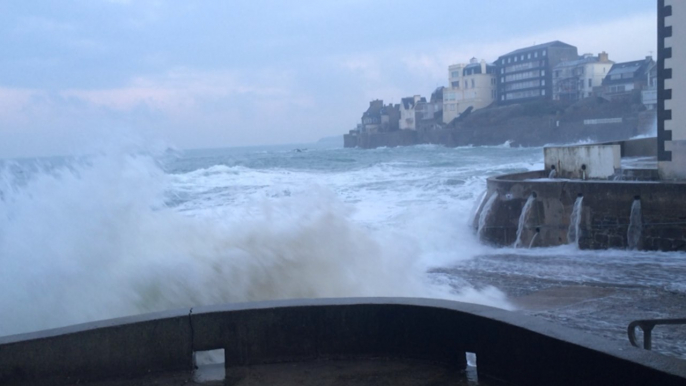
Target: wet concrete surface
x=596 y=306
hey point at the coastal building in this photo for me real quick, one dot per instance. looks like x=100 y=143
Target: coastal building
x=576 y=79
x=407 y=111
x=470 y=85
x=380 y=117
x=671 y=89
x=526 y=74
x=649 y=93
x=624 y=78
x=416 y=113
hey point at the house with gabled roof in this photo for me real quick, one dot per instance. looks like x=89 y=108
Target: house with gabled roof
x=624 y=78
x=576 y=79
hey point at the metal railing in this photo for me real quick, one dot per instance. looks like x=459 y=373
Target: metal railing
x=647 y=326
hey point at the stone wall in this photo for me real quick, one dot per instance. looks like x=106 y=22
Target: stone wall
x=510 y=346
x=605 y=215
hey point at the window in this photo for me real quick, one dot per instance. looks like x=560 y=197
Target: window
x=521 y=66
x=455 y=74
x=542 y=92
x=522 y=57
x=472 y=83
x=515 y=58
x=456 y=84
x=542 y=72
x=590 y=82
x=528 y=56
x=521 y=76
x=521 y=94
x=543 y=82
x=536 y=54
x=543 y=53
x=522 y=85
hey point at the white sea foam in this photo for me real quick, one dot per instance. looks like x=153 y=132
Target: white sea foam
x=97 y=240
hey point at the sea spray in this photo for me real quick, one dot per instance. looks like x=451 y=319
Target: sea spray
x=522 y=219
x=97 y=240
x=574 y=230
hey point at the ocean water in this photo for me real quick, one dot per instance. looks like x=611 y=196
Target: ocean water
x=134 y=230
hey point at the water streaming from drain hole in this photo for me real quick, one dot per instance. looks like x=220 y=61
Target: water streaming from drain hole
x=633 y=233
x=522 y=219
x=573 y=231
x=484 y=214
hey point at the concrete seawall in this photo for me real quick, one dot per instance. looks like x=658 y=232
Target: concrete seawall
x=605 y=213
x=508 y=346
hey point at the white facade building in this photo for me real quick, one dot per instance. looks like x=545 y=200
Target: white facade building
x=470 y=85
x=575 y=79
x=408 y=118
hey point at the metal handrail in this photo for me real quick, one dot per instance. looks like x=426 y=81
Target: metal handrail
x=647 y=326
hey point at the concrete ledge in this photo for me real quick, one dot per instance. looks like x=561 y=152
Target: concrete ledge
x=509 y=346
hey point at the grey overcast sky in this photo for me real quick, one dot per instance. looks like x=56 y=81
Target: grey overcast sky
x=191 y=73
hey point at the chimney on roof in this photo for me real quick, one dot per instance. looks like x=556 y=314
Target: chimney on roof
x=473 y=60
x=603 y=57
x=649 y=58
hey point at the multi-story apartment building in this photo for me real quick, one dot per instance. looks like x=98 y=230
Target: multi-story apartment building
x=526 y=74
x=575 y=79
x=470 y=85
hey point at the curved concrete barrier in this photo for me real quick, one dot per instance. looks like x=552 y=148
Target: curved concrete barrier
x=519 y=349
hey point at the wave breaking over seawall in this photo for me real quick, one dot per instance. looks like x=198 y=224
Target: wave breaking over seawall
x=119 y=234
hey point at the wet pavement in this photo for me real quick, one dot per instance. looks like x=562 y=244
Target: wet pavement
x=600 y=297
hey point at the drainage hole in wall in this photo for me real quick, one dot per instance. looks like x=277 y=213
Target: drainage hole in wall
x=209 y=366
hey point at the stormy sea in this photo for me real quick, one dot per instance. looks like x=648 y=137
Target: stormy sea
x=131 y=230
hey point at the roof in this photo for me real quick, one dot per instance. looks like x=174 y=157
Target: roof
x=573 y=63
x=636 y=68
x=408 y=102
x=375 y=107
x=555 y=43
x=476 y=67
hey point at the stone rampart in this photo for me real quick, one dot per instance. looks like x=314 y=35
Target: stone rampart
x=520 y=349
